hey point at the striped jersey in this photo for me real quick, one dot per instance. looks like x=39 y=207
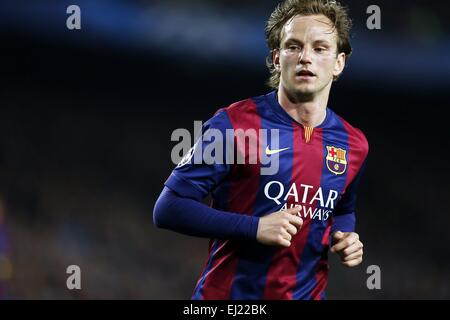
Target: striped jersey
x=318 y=170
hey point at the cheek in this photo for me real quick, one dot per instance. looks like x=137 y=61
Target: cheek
x=326 y=67
x=288 y=63
x=287 y=68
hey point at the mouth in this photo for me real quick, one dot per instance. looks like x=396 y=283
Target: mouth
x=305 y=74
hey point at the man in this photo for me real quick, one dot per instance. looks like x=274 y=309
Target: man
x=270 y=233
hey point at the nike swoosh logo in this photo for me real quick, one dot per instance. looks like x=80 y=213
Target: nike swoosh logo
x=270 y=152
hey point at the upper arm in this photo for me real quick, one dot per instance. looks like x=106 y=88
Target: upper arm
x=197 y=174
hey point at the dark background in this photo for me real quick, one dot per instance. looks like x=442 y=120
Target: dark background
x=86 y=118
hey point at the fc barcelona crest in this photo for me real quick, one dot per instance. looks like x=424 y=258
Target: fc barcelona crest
x=336 y=160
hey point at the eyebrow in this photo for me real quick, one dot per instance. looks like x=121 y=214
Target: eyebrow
x=319 y=41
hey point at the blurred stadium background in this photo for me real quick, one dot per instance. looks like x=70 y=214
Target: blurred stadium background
x=86 y=118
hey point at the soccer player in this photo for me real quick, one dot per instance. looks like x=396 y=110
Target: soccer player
x=270 y=233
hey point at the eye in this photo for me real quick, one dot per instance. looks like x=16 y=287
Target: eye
x=322 y=50
x=293 y=48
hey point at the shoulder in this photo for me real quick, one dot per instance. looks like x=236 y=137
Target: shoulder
x=242 y=106
x=238 y=113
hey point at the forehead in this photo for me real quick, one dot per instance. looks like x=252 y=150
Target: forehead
x=309 y=28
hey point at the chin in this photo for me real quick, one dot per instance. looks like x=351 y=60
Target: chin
x=304 y=89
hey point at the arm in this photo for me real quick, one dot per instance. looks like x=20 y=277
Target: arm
x=191 y=217
x=180 y=207
x=194 y=218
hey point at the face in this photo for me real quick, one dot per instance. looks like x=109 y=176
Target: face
x=307 y=59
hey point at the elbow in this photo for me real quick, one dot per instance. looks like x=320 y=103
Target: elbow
x=162 y=210
x=158 y=214
x=156 y=217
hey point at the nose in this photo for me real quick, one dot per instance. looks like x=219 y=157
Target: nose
x=305 y=56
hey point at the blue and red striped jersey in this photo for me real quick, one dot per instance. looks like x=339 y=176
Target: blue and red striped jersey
x=319 y=169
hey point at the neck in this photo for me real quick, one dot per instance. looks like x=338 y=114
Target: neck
x=308 y=110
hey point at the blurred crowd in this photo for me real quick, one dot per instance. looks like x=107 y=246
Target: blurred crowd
x=86 y=121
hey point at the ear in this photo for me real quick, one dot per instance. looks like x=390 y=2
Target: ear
x=339 y=65
x=276 y=59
